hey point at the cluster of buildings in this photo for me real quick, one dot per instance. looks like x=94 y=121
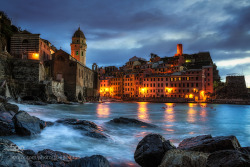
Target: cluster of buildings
x=181 y=77
x=38 y=69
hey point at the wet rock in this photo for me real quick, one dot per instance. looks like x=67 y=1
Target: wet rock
x=209 y=144
x=26 y=125
x=93 y=161
x=48 y=155
x=78 y=122
x=29 y=152
x=151 y=149
x=48 y=123
x=11 y=155
x=181 y=158
x=228 y=158
x=245 y=150
x=89 y=128
x=6 y=129
x=3 y=99
x=131 y=122
x=6 y=116
x=11 y=107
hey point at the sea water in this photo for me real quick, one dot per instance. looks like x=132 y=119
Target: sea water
x=176 y=122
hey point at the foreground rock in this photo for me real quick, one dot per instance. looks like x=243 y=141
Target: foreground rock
x=181 y=158
x=228 y=158
x=26 y=125
x=131 y=122
x=89 y=128
x=11 y=156
x=7 y=111
x=93 y=161
x=151 y=149
x=209 y=144
x=50 y=158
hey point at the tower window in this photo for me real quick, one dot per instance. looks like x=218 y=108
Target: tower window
x=82 y=53
x=76 y=52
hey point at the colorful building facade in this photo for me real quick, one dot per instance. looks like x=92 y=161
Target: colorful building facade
x=181 y=76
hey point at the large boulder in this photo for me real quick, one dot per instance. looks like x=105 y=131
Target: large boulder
x=93 y=161
x=209 y=144
x=228 y=158
x=131 y=122
x=87 y=127
x=11 y=107
x=151 y=149
x=11 y=155
x=181 y=158
x=26 y=125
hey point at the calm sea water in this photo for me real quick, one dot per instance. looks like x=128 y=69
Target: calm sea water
x=176 y=122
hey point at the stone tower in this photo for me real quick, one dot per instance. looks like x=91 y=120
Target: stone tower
x=79 y=46
x=179 y=50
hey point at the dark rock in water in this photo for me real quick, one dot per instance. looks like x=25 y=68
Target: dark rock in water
x=93 y=161
x=209 y=144
x=131 y=122
x=90 y=128
x=6 y=129
x=182 y=158
x=78 y=122
x=26 y=125
x=11 y=107
x=96 y=134
x=245 y=150
x=151 y=149
x=11 y=156
x=5 y=116
x=228 y=158
x=55 y=156
x=29 y=152
x=48 y=123
x=42 y=124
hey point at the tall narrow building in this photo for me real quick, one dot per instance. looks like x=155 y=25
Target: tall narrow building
x=79 y=46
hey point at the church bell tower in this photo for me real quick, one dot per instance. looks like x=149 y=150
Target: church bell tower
x=79 y=46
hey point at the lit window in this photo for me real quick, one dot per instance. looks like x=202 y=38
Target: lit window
x=76 y=52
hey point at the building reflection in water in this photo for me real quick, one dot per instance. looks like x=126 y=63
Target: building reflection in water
x=203 y=111
x=191 y=118
x=142 y=112
x=169 y=116
x=103 y=110
x=169 y=113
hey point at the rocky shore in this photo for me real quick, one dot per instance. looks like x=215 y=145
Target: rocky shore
x=201 y=151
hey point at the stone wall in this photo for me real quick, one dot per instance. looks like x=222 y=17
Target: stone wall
x=55 y=91
x=235 y=88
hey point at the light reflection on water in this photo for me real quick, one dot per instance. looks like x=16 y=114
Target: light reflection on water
x=176 y=122
x=102 y=110
x=142 y=112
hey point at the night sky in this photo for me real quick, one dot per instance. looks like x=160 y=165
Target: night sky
x=117 y=30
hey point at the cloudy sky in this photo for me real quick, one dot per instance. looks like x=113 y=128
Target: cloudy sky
x=119 y=29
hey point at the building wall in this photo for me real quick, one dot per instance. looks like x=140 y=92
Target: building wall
x=29 y=46
x=64 y=68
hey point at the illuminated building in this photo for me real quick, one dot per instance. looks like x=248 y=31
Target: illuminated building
x=181 y=76
x=30 y=46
